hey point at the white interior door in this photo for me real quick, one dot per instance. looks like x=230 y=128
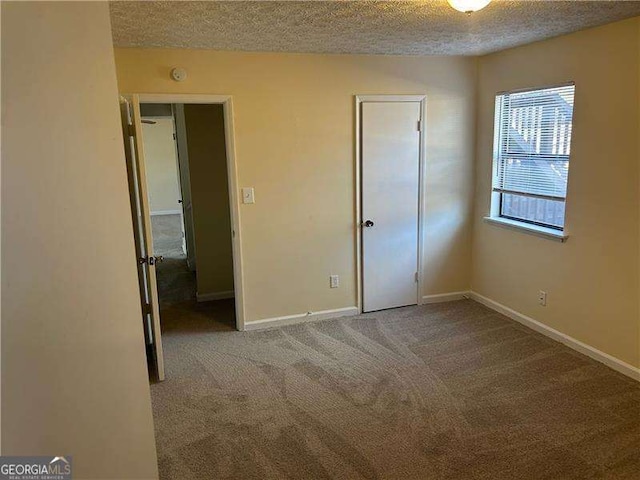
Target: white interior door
x=185 y=185
x=390 y=203
x=146 y=261
x=181 y=189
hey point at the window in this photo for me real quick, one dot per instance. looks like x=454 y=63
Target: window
x=532 y=146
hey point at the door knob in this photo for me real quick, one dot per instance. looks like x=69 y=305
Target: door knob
x=368 y=224
x=157 y=259
x=151 y=260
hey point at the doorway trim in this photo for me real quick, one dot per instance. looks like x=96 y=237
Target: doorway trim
x=232 y=173
x=358 y=100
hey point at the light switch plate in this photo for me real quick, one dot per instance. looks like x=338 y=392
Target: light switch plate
x=248 y=195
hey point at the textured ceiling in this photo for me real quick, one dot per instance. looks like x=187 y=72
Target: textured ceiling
x=428 y=27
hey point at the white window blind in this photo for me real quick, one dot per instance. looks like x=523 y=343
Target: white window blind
x=532 y=150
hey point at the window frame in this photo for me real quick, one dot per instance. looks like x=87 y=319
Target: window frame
x=497 y=197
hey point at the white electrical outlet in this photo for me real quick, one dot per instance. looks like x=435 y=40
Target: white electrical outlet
x=334 y=281
x=542 y=298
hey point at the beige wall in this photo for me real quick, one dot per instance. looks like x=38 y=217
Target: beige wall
x=210 y=197
x=592 y=280
x=294 y=126
x=74 y=379
x=161 y=164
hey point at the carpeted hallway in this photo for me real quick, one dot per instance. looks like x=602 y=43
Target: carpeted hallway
x=176 y=283
x=446 y=391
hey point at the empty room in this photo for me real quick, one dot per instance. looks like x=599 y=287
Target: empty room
x=320 y=240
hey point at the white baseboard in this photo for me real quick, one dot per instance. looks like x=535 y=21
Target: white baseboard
x=301 y=317
x=166 y=212
x=208 y=297
x=444 y=297
x=608 y=360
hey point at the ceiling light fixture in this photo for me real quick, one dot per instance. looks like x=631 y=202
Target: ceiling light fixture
x=468 y=6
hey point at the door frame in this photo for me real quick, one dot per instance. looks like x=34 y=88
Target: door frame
x=358 y=101
x=232 y=176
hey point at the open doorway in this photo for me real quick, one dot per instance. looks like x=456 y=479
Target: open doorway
x=166 y=192
x=182 y=178
x=188 y=189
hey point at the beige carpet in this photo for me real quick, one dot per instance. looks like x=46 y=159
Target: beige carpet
x=447 y=391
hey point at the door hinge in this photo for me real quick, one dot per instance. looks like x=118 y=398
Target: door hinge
x=419 y=125
x=131 y=131
x=146 y=309
x=416 y=277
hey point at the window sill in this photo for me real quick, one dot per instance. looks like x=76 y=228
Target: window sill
x=543 y=232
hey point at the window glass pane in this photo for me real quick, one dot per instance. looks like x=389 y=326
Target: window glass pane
x=535 y=210
x=532 y=147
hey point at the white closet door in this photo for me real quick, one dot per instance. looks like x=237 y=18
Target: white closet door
x=390 y=198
